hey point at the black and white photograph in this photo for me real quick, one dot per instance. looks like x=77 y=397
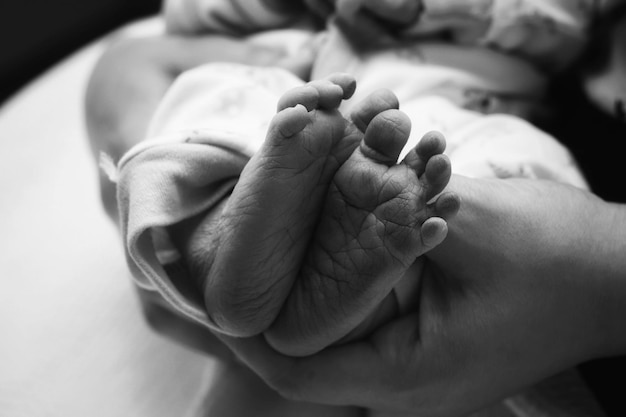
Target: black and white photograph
x=313 y=208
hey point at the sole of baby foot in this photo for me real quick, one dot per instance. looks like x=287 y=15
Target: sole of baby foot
x=376 y=221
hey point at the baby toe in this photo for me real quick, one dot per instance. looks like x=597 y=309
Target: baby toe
x=447 y=205
x=386 y=136
x=347 y=83
x=330 y=94
x=434 y=231
x=372 y=105
x=432 y=143
x=436 y=175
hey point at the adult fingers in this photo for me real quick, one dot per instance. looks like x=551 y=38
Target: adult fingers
x=322 y=8
x=402 y=12
x=368 y=373
x=374 y=22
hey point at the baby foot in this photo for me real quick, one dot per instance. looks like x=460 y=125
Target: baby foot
x=269 y=219
x=375 y=222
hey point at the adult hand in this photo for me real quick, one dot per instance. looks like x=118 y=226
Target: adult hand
x=399 y=12
x=369 y=23
x=530 y=282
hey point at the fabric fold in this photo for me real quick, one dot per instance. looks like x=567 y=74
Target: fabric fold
x=164 y=185
x=205 y=130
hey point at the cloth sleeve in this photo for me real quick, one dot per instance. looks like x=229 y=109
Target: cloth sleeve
x=208 y=125
x=234 y=17
x=550 y=33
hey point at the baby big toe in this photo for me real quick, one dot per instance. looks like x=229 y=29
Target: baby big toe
x=377 y=102
x=385 y=136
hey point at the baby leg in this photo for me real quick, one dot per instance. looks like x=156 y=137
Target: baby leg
x=374 y=225
x=266 y=224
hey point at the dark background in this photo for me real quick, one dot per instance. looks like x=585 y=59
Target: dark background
x=35 y=34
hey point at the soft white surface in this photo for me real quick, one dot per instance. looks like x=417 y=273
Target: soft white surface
x=72 y=339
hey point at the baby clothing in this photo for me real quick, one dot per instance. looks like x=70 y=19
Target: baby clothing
x=202 y=135
x=549 y=33
x=216 y=116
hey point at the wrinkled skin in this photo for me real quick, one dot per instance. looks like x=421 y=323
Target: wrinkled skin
x=515 y=294
x=323 y=223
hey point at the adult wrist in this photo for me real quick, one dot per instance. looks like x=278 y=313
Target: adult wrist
x=608 y=257
x=565 y=248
